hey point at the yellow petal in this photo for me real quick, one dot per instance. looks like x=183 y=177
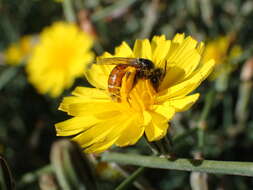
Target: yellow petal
x=157 y=128
x=64 y=106
x=146 y=118
x=111 y=138
x=102 y=146
x=166 y=110
x=160 y=52
x=156 y=41
x=200 y=48
x=98 y=133
x=98 y=75
x=142 y=49
x=91 y=93
x=184 y=66
x=92 y=108
x=178 y=38
x=75 y=125
x=187 y=86
x=132 y=133
x=182 y=104
x=83 y=95
x=123 y=50
x=188 y=44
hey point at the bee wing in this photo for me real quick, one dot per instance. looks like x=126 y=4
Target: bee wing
x=117 y=61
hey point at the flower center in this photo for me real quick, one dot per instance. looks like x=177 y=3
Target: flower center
x=139 y=95
x=61 y=57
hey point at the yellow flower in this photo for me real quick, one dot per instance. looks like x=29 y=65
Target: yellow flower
x=99 y=121
x=61 y=56
x=222 y=51
x=17 y=52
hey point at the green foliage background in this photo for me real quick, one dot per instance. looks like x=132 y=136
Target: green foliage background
x=27 y=118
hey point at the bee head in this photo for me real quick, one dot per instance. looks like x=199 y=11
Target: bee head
x=156 y=77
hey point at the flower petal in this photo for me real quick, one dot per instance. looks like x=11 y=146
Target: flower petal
x=187 y=86
x=142 y=49
x=157 y=128
x=83 y=95
x=98 y=75
x=132 y=133
x=92 y=108
x=166 y=110
x=91 y=93
x=146 y=118
x=123 y=50
x=184 y=103
x=160 y=52
x=111 y=138
x=200 y=48
x=179 y=38
x=98 y=132
x=156 y=41
x=75 y=125
x=101 y=146
x=185 y=64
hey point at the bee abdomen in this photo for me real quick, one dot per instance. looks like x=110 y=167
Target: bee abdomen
x=115 y=79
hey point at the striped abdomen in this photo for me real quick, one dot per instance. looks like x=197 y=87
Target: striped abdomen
x=115 y=79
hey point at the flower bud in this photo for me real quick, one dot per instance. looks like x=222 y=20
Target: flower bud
x=72 y=168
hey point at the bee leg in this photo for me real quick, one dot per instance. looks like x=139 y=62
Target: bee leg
x=165 y=69
x=116 y=94
x=128 y=82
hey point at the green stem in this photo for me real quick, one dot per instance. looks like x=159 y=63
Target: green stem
x=69 y=11
x=33 y=176
x=201 y=124
x=208 y=166
x=100 y=14
x=7 y=75
x=208 y=104
x=128 y=181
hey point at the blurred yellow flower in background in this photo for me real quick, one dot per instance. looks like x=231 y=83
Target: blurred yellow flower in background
x=19 y=51
x=222 y=50
x=61 y=55
x=99 y=121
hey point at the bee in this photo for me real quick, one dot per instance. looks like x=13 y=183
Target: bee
x=143 y=69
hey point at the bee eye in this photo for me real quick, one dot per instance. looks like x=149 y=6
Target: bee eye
x=154 y=80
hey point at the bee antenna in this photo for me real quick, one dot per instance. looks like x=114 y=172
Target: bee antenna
x=165 y=66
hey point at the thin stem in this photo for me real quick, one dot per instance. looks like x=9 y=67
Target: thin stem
x=208 y=166
x=110 y=9
x=33 y=176
x=202 y=122
x=7 y=76
x=128 y=181
x=208 y=104
x=69 y=11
